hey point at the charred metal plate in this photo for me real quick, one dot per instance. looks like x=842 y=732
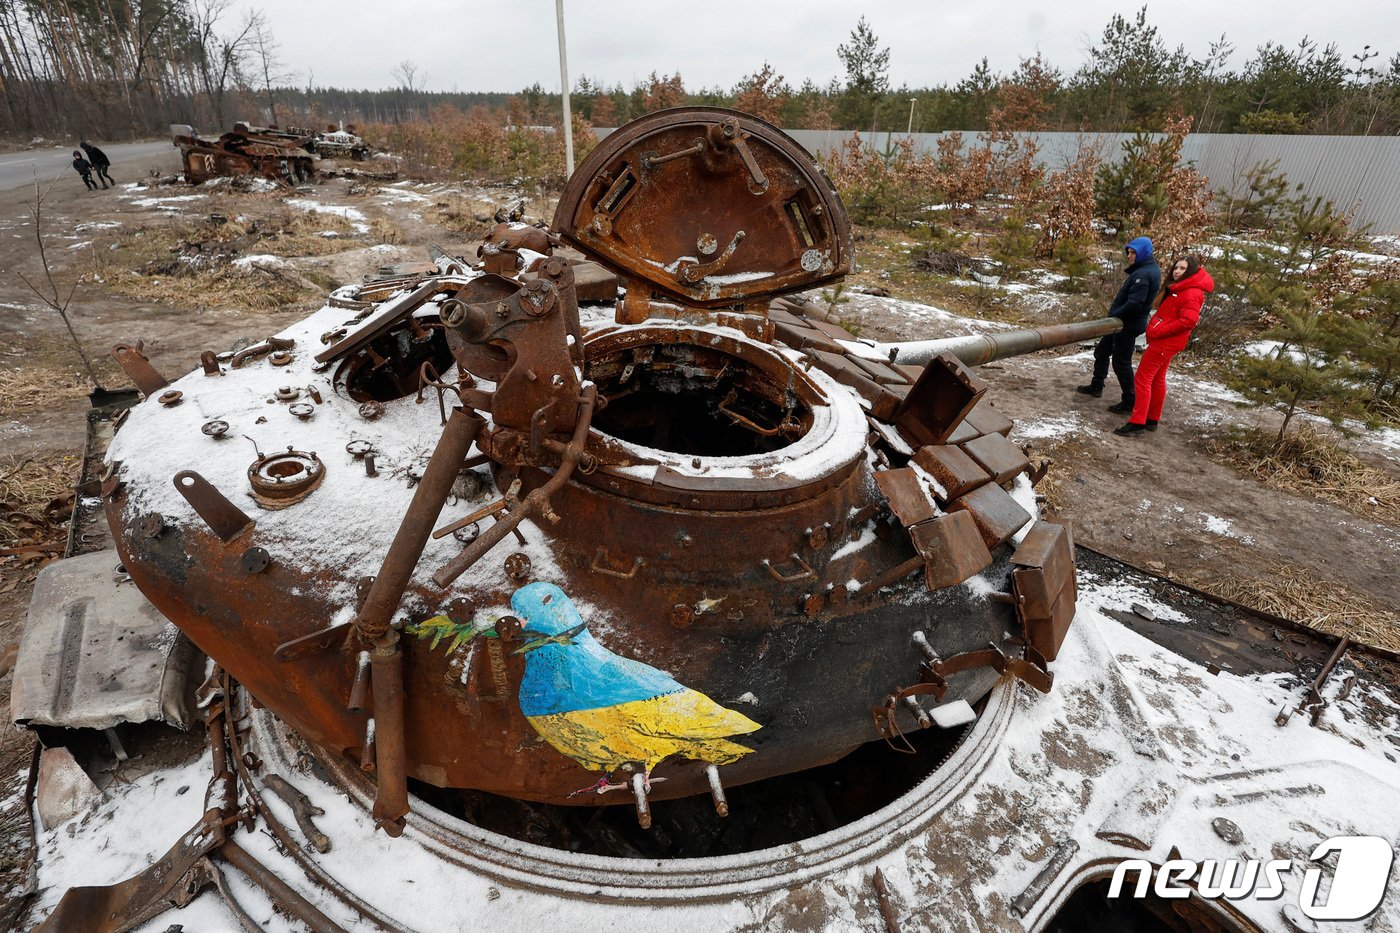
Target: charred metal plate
x=987 y=420
x=908 y=499
x=998 y=516
x=997 y=455
x=708 y=205
x=939 y=401
x=1044 y=586
x=963 y=433
x=593 y=283
x=96 y=653
x=952 y=549
x=1047 y=634
x=954 y=470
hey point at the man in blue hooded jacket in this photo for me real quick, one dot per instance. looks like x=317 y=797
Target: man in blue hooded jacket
x=1133 y=305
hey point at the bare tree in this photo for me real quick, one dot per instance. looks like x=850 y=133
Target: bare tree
x=265 y=48
x=47 y=291
x=406 y=73
x=223 y=58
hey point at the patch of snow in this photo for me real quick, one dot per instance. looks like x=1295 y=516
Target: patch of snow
x=260 y=261
x=1220 y=526
x=354 y=216
x=1057 y=426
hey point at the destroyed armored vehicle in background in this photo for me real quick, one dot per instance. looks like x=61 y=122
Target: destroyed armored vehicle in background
x=245 y=151
x=337 y=143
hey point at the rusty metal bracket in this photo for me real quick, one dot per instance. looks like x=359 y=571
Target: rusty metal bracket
x=535 y=500
x=225 y=519
x=804 y=570
x=884 y=716
x=600 y=565
x=1026 y=669
x=261 y=349
x=1313 y=702
x=138 y=369
x=130 y=903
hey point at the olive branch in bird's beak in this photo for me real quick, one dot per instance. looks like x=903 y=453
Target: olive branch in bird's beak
x=540 y=639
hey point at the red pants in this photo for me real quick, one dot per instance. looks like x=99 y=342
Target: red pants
x=1150 y=384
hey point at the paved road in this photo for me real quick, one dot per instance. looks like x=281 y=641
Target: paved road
x=129 y=162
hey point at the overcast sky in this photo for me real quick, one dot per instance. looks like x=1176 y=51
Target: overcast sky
x=507 y=45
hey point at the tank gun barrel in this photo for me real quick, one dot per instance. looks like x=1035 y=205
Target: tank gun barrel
x=976 y=349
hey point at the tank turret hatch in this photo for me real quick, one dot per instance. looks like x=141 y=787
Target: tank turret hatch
x=707 y=206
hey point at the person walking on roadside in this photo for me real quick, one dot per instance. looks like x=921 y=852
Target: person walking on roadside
x=1133 y=304
x=100 y=162
x=1178 y=310
x=84 y=168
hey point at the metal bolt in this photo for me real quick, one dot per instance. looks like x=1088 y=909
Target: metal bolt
x=170 y=397
x=287 y=393
x=255 y=560
x=518 y=566
x=371 y=410
x=453 y=313
x=369 y=465
x=152 y=525
x=1228 y=830
x=279 y=358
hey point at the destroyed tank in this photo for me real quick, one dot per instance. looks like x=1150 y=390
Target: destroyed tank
x=459 y=528
x=247 y=150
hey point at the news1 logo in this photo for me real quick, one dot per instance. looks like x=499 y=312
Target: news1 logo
x=1358 y=884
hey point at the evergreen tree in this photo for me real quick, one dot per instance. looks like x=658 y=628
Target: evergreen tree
x=867 y=75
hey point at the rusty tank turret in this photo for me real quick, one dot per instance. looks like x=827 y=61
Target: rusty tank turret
x=462 y=530
x=246 y=150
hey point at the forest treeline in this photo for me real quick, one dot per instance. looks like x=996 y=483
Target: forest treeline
x=122 y=68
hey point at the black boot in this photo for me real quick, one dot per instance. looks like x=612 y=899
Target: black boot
x=1151 y=425
x=1130 y=429
x=1124 y=407
x=1090 y=389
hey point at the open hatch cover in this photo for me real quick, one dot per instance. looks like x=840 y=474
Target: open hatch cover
x=709 y=206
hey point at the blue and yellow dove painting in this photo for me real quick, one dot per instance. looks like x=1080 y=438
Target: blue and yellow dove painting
x=603 y=710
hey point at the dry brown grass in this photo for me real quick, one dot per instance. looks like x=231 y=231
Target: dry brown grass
x=460 y=214
x=1295 y=594
x=1310 y=463
x=887 y=259
x=36 y=499
x=23 y=392
x=190 y=261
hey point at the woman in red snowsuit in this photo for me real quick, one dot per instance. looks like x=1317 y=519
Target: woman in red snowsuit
x=1179 y=308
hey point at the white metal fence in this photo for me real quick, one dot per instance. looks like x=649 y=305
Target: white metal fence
x=1354 y=171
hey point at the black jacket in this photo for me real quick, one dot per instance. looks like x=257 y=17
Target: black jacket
x=96 y=156
x=1134 y=301
x=81 y=166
